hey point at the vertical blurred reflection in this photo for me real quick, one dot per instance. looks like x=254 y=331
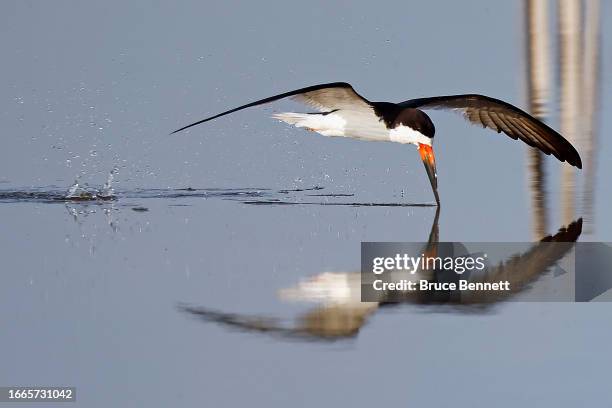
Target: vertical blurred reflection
x=538 y=83
x=569 y=54
x=579 y=61
x=590 y=102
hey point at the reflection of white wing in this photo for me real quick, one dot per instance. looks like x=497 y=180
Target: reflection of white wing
x=326 y=288
x=342 y=314
x=342 y=288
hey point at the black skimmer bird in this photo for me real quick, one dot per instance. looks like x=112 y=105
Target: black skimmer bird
x=345 y=113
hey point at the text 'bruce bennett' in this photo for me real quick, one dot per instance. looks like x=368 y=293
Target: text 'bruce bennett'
x=425 y=285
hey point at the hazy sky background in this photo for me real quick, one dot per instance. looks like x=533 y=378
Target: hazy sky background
x=91 y=300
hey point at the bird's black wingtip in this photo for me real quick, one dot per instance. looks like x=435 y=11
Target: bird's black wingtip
x=188 y=126
x=575 y=161
x=575 y=228
x=175 y=131
x=573 y=158
x=579 y=163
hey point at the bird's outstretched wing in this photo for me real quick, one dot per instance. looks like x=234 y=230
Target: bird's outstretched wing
x=324 y=97
x=503 y=117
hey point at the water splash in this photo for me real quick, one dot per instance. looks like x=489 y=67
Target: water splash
x=78 y=192
x=107 y=190
x=73 y=189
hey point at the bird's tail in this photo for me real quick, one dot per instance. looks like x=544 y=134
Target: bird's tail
x=292 y=118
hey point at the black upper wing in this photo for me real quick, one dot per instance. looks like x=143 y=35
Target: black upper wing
x=325 y=97
x=503 y=117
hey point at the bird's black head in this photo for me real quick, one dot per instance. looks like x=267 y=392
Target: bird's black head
x=417 y=120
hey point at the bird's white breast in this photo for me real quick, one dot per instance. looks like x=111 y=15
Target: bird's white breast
x=406 y=134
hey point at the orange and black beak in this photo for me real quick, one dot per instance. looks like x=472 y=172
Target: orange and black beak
x=429 y=160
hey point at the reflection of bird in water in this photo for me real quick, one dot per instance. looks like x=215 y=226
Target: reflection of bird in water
x=343 y=314
x=345 y=113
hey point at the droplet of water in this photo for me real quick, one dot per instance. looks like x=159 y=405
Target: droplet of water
x=108 y=191
x=73 y=189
